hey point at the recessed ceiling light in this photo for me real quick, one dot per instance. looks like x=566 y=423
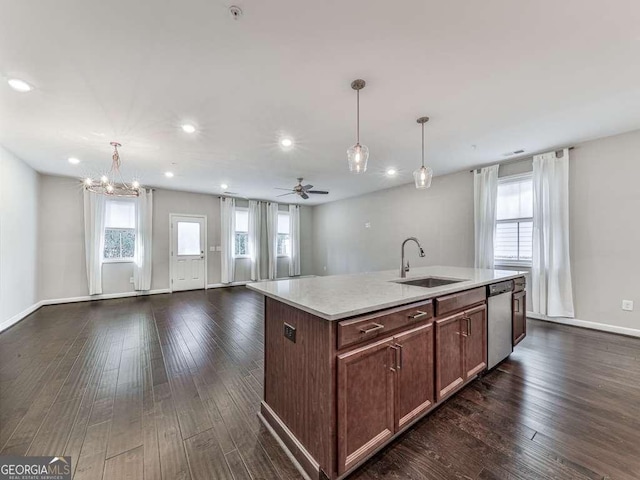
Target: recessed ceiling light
x=224 y=186
x=168 y=174
x=19 y=85
x=188 y=128
x=286 y=142
x=391 y=172
x=73 y=161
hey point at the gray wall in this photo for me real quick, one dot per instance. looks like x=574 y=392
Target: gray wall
x=441 y=217
x=18 y=236
x=604 y=201
x=61 y=241
x=604 y=206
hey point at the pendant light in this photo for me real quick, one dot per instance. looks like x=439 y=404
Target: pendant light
x=423 y=175
x=358 y=155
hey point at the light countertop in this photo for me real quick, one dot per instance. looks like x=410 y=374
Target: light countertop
x=340 y=296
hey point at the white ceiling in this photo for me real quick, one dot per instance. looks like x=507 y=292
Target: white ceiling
x=501 y=75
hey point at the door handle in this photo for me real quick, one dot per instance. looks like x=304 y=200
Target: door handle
x=417 y=315
x=399 y=364
x=375 y=327
x=395 y=357
x=467 y=329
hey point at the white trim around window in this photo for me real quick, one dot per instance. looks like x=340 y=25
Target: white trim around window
x=519 y=221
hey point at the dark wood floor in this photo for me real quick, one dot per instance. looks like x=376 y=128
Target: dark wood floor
x=168 y=386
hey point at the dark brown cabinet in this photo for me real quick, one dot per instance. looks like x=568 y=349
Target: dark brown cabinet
x=475 y=341
x=381 y=388
x=449 y=354
x=366 y=396
x=519 y=310
x=342 y=390
x=461 y=349
x=414 y=374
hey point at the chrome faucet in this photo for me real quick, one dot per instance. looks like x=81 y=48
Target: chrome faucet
x=405 y=268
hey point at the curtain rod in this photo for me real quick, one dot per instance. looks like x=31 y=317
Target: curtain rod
x=519 y=159
x=258 y=200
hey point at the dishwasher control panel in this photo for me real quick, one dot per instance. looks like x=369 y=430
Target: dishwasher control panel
x=502 y=287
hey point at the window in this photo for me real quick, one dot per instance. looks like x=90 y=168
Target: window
x=284 y=239
x=241 y=248
x=119 y=230
x=514 y=229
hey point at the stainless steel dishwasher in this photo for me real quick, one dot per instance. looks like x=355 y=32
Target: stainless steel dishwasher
x=499 y=335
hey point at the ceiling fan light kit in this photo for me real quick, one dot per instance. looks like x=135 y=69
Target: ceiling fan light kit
x=112 y=184
x=423 y=175
x=358 y=155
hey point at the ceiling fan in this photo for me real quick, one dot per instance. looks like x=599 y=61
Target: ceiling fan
x=302 y=190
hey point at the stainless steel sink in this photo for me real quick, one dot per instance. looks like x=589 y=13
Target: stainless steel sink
x=430 y=282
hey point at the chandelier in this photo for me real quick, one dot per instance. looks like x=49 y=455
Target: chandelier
x=112 y=184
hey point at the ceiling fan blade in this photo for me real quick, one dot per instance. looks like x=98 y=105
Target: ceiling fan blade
x=287 y=189
x=285 y=194
x=321 y=192
x=307 y=187
x=304 y=195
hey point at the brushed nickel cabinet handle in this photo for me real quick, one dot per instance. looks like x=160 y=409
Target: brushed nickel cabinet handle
x=466 y=332
x=400 y=352
x=375 y=327
x=395 y=357
x=420 y=314
x=469 y=326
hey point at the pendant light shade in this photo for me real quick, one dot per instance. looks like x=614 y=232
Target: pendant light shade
x=358 y=155
x=423 y=175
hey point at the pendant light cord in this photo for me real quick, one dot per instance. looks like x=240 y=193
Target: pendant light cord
x=358 y=117
x=423 y=145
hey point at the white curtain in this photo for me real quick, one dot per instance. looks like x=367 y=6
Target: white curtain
x=227 y=231
x=143 y=260
x=294 y=239
x=485 y=190
x=551 y=289
x=255 y=230
x=272 y=239
x=94 y=210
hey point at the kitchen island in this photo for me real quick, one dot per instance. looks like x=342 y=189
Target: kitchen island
x=351 y=361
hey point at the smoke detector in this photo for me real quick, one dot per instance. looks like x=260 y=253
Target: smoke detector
x=236 y=12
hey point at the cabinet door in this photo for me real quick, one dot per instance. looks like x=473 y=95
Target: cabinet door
x=449 y=355
x=519 y=317
x=365 y=401
x=414 y=374
x=474 y=333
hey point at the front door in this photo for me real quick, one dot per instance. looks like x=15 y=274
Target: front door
x=187 y=252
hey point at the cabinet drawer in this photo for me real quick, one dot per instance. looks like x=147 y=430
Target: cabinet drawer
x=458 y=301
x=519 y=284
x=364 y=328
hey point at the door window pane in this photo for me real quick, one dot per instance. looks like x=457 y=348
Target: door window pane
x=189 y=238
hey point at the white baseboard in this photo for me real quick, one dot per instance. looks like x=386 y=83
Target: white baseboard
x=85 y=298
x=104 y=296
x=245 y=282
x=631 y=332
x=19 y=316
x=232 y=284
